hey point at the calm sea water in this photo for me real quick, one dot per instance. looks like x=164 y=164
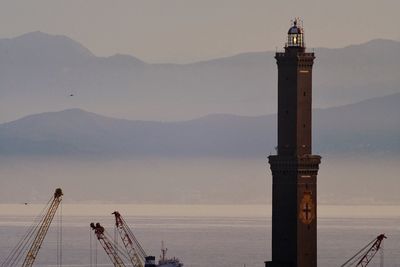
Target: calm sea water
x=206 y=240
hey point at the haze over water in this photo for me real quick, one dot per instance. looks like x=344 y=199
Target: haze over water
x=223 y=235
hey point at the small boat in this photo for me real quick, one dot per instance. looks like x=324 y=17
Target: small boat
x=163 y=261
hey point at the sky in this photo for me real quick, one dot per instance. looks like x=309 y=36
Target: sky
x=184 y=31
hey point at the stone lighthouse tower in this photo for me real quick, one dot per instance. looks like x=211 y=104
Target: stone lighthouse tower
x=294 y=168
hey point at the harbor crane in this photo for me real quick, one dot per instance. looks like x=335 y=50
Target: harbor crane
x=107 y=245
x=136 y=253
x=39 y=231
x=366 y=254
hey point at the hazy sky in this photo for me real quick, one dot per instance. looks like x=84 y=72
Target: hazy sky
x=187 y=30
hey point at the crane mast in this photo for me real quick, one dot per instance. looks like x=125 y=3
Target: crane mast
x=136 y=253
x=363 y=258
x=44 y=227
x=107 y=245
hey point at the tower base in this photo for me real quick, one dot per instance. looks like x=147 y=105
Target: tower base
x=294 y=210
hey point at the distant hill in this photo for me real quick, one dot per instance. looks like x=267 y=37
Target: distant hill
x=371 y=126
x=39 y=72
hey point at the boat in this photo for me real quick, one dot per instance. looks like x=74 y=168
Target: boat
x=163 y=260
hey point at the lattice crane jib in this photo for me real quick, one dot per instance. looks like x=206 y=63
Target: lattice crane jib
x=43 y=228
x=107 y=245
x=366 y=259
x=136 y=253
x=363 y=257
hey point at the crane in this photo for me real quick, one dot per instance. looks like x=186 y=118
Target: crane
x=44 y=227
x=39 y=231
x=108 y=246
x=136 y=253
x=365 y=255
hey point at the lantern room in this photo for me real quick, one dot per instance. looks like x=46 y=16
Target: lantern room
x=295 y=35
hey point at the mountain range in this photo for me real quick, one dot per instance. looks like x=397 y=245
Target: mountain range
x=159 y=154
x=370 y=126
x=41 y=72
x=219 y=158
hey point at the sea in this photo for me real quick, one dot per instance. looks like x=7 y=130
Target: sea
x=200 y=235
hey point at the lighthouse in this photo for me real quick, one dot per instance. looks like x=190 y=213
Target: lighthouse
x=294 y=168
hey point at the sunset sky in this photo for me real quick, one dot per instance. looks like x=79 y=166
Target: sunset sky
x=183 y=31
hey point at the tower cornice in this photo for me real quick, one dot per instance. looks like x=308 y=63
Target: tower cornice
x=303 y=165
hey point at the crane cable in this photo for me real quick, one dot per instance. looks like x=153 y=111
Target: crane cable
x=90 y=246
x=93 y=251
x=22 y=246
x=59 y=236
x=95 y=258
x=116 y=238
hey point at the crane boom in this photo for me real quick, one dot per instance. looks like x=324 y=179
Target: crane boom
x=363 y=258
x=136 y=253
x=107 y=245
x=364 y=261
x=44 y=227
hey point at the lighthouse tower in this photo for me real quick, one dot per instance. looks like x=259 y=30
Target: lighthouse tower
x=294 y=168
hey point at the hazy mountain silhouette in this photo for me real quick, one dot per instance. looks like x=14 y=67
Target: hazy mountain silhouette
x=39 y=72
x=370 y=126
